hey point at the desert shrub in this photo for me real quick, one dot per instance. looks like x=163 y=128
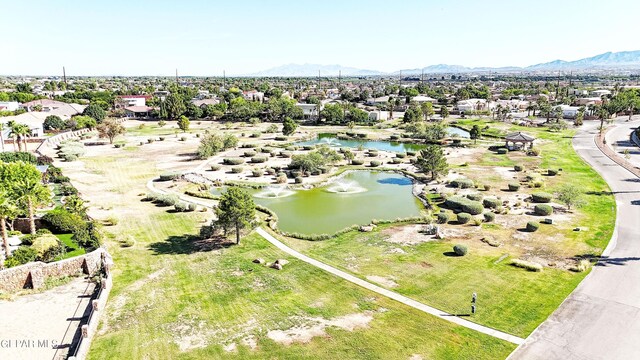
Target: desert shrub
x=489 y=216
x=514 y=186
x=255 y=134
x=281 y=178
x=192 y=207
x=442 y=218
x=249 y=153
x=256 y=173
x=362 y=135
x=472 y=207
x=581 y=266
x=552 y=172
x=215 y=167
x=463 y=218
x=258 y=159
x=129 y=241
x=357 y=162
x=518 y=168
x=180 y=207
x=298 y=179
x=460 y=250
x=236 y=169
x=111 y=221
x=233 y=161
x=474 y=196
x=22 y=255
x=271 y=171
x=118 y=145
x=541 y=197
x=502 y=151
x=71 y=150
x=183 y=138
x=543 y=209
x=532 y=226
x=462 y=183
x=166 y=199
x=491 y=203
x=375 y=163
x=411 y=153
x=533 y=152
x=169 y=176
x=280 y=138
x=466 y=205
x=528 y=265
x=396 y=161
x=161 y=138
x=309 y=147
x=401 y=155
x=486 y=187
x=394 y=137
x=372 y=153
x=285 y=154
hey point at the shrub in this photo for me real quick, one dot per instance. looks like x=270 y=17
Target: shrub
x=166 y=199
x=473 y=207
x=89 y=236
x=411 y=153
x=281 y=138
x=375 y=163
x=236 y=169
x=67 y=189
x=281 y=178
x=183 y=138
x=71 y=150
x=401 y=155
x=63 y=221
x=442 y=218
x=249 y=153
x=129 y=241
x=475 y=197
x=285 y=154
x=396 y=161
x=486 y=187
x=215 y=167
x=271 y=171
x=372 y=153
x=192 y=207
x=460 y=250
x=462 y=183
x=532 y=226
x=255 y=134
x=357 y=162
x=541 y=197
x=258 y=159
x=10 y=156
x=256 y=173
x=180 y=207
x=518 y=168
x=533 y=152
x=233 y=161
x=552 y=172
x=22 y=255
x=491 y=203
x=309 y=147
x=466 y=205
x=543 y=209
x=528 y=265
x=514 y=186
x=298 y=179
x=463 y=218
x=150 y=140
x=489 y=216
x=47 y=247
x=502 y=151
x=169 y=176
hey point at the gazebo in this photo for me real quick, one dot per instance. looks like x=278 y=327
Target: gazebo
x=519 y=141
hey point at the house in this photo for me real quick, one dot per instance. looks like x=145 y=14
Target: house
x=253 y=95
x=34 y=120
x=377 y=101
x=309 y=111
x=123 y=101
x=600 y=93
x=578 y=92
x=423 y=98
x=586 y=101
x=378 y=115
x=161 y=94
x=205 y=102
x=569 y=112
x=138 y=112
x=9 y=105
x=45 y=105
x=472 y=105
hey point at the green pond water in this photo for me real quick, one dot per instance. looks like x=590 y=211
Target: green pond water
x=332 y=140
x=355 y=198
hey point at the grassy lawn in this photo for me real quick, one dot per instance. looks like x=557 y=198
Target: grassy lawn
x=171 y=300
x=73 y=249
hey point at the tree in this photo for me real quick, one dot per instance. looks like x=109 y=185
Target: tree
x=82 y=122
x=174 y=106
x=8 y=210
x=413 y=114
x=1 y=137
x=427 y=109
x=20 y=133
x=74 y=204
x=95 y=111
x=183 y=123
x=24 y=185
x=570 y=195
x=235 y=209
x=444 y=112
x=211 y=144
x=333 y=113
x=603 y=114
x=110 y=129
x=432 y=160
x=475 y=133
x=289 y=126
x=53 y=122
x=193 y=111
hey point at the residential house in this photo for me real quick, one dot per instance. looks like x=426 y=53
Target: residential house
x=600 y=93
x=123 y=101
x=569 y=112
x=377 y=101
x=138 y=112
x=472 y=105
x=45 y=104
x=423 y=99
x=309 y=111
x=378 y=115
x=253 y=95
x=9 y=105
x=205 y=102
x=586 y=101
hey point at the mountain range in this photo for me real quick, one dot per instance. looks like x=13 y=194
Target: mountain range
x=623 y=60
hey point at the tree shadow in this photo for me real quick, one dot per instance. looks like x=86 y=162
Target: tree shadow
x=189 y=244
x=632 y=180
x=598 y=260
x=450 y=254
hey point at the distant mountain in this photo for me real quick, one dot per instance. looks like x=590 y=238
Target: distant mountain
x=623 y=60
x=307 y=70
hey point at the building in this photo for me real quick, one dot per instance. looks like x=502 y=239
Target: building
x=309 y=111
x=45 y=105
x=205 y=102
x=124 y=101
x=34 y=120
x=138 y=112
x=569 y=112
x=423 y=98
x=9 y=105
x=377 y=101
x=600 y=93
x=378 y=115
x=253 y=95
x=586 y=101
x=472 y=105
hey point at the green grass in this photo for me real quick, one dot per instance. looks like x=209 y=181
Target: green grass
x=73 y=249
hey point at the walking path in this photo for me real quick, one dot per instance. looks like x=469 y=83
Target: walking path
x=601 y=318
x=367 y=285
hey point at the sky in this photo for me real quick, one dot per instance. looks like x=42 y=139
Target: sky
x=128 y=37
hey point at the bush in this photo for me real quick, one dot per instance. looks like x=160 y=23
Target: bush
x=552 y=172
x=532 y=226
x=375 y=163
x=63 y=221
x=541 y=197
x=233 y=161
x=491 y=203
x=89 y=236
x=489 y=216
x=10 y=156
x=298 y=179
x=281 y=138
x=67 y=189
x=460 y=250
x=258 y=159
x=256 y=173
x=166 y=199
x=357 y=162
x=161 y=138
x=180 y=207
x=372 y=153
x=183 y=138
x=502 y=151
x=401 y=155
x=396 y=161
x=543 y=209
x=215 y=167
x=442 y=218
x=464 y=204
x=22 y=255
x=514 y=186
x=475 y=197
x=486 y=187
x=411 y=153
x=281 y=179
x=462 y=183
x=518 y=168
x=111 y=221
x=47 y=247
x=528 y=265
x=249 y=153
x=192 y=207
x=236 y=169
x=71 y=150
x=473 y=207
x=463 y=218
x=169 y=176
x=150 y=140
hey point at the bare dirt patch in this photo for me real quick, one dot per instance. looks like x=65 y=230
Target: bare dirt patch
x=405 y=235
x=315 y=327
x=384 y=281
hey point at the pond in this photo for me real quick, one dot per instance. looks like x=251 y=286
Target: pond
x=355 y=198
x=395 y=146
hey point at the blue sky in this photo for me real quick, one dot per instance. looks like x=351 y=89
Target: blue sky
x=120 y=37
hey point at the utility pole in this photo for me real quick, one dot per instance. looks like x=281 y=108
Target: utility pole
x=319 y=86
x=177 y=82
x=400 y=78
x=64 y=77
x=422 y=77
x=339 y=76
x=224 y=79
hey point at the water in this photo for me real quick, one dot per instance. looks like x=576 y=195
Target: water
x=395 y=146
x=274 y=191
x=356 y=198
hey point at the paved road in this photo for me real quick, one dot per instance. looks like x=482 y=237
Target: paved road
x=618 y=141
x=390 y=294
x=601 y=318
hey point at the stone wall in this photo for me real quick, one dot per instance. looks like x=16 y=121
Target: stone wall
x=33 y=275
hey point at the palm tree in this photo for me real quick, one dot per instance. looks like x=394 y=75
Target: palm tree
x=19 y=133
x=30 y=193
x=2 y=137
x=7 y=210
